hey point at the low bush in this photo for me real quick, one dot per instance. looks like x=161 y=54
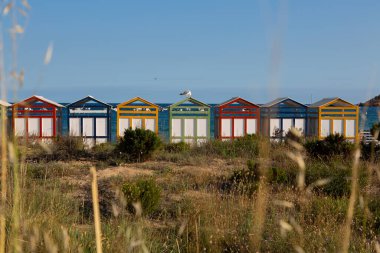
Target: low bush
x=67 y=147
x=247 y=147
x=370 y=151
x=375 y=129
x=244 y=181
x=332 y=145
x=176 y=147
x=338 y=176
x=282 y=176
x=147 y=192
x=138 y=145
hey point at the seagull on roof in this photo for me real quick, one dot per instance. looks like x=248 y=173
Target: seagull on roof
x=186 y=93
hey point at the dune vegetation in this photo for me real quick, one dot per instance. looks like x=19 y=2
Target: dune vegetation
x=248 y=195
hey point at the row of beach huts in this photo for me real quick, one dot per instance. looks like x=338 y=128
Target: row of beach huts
x=189 y=119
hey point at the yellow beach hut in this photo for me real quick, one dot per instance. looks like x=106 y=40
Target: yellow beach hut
x=334 y=116
x=137 y=113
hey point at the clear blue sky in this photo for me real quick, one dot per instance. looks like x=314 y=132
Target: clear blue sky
x=116 y=50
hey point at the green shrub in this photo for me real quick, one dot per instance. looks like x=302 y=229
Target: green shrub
x=138 y=145
x=374 y=207
x=68 y=147
x=339 y=184
x=282 y=176
x=147 y=192
x=370 y=151
x=177 y=147
x=375 y=129
x=244 y=181
x=332 y=145
x=103 y=151
x=247 y=147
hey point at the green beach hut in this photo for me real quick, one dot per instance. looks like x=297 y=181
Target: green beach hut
x=189 y=121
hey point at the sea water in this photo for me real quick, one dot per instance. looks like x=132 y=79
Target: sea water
x=368 y=117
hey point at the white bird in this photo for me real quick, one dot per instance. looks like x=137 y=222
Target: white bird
x=186 y=93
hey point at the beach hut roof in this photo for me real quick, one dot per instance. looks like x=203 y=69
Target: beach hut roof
x=3 y=103
x=41 y=98
x=328 y=101
x=234 y=99
x=87 y=99
x=192 y=100
x=280 y=100
x=139 y=99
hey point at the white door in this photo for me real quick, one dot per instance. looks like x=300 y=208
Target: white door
x=238 y=127
x=136 y=123
x=226 y=127
x=176 y=128
x=123 y=125
x=325 y=127
x=74 y=126
x=101 y=126
x=251 y=126
x=189 y=127
x=47 y=127
x=338 y=126
x=150 y=124
x=88 y=127
x=33 y=126
x=299 y=124
x=20 y=126
x=274 y=127
x=201 y=127
x=350 y=128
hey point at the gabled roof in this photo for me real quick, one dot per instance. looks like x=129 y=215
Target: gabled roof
x=138 y=99
x=41 y=98
x=192 y=100
x=328 y=101
x=236 y=99
x=87 y=99
x=280 y=100
x=3 y=103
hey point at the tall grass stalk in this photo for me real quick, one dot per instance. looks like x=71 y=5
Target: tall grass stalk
x=260 y=204
x=95 y=201
x=352 y=201
x=4 y=170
